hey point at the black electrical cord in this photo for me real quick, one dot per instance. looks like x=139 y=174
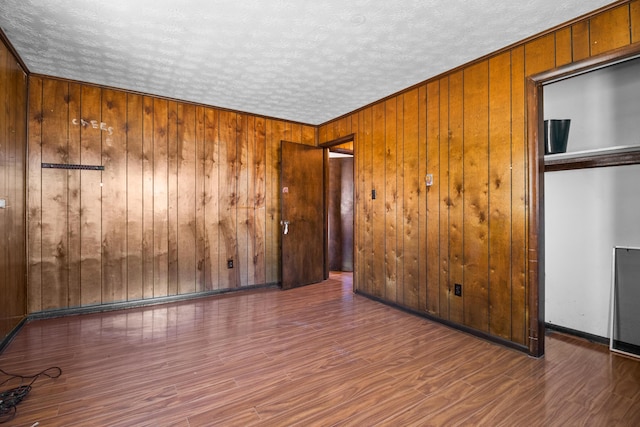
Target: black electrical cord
x=9 y=399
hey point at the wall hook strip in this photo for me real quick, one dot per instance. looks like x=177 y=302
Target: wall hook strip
x=71 y=166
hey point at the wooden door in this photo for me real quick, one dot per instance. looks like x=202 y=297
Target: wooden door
x=303 y=214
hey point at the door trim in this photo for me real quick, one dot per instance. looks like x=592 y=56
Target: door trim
x=338 y=141
x=535 y=166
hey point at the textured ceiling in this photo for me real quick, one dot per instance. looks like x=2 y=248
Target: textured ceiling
x=302 y=60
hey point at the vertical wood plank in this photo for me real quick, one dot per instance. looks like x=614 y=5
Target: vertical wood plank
x=21 y=191
x=228 y=199
x=160 y=198
x=74 y=211
x=423 y=215
x=634 y=14
x=540 y=55
x=519 y=320
x=19 y=129
x=270 y=230
x=500 y=195
x=186 y=203
x=410 y=166
x=114 y=195
x=243 y=157
x=259 y=267
x=173 y=125
x=432 y=201
x=368 y=185
x=287 y=131
x=54 y=195
x=7 y=150
x=294 y=132
x=610 y=30
x=359 y=194
x=445 y=198
x=476 y=213
x=331 y=131
x=91 y=197
x=563 y=47
x=14 y=249
x=357 y=197
x=343 y=126
x=391 y=200
x=322 y=134
x=135 y=185
x=378 y=166
x=580 y=40
x=11 y=183
x=201 y=182
x=148 y=197
x=456 y=194
x=251 y=197
x=212 y=221
x=34 y=189
x=308 y=135
x=400 y=202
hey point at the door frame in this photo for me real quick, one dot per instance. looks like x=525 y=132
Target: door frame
x=536 y=169
x=327 y=146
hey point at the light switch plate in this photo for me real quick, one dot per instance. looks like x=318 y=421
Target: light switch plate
x=428 y=180
x=3 y=203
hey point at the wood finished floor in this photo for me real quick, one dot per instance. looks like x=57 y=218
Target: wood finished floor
x=317 y=355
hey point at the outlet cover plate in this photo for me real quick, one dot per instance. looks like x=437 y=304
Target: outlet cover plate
x=457 y=289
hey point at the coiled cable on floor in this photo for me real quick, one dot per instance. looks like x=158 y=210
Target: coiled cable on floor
x=9 y=399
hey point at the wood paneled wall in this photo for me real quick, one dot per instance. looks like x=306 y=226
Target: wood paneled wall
x=185 y=188
x=468 y=129
x=13 y=142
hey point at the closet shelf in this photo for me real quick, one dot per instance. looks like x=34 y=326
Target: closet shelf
x=611 y=156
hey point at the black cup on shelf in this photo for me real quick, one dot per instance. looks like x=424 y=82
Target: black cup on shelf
x=556 y=135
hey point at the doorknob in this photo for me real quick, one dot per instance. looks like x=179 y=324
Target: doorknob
x=286 y=227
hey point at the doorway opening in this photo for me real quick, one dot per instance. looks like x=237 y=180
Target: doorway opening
x=339 y=206
x=340 y=212
x=539 y=164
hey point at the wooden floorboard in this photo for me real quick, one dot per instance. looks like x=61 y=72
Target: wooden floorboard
x=316 y=355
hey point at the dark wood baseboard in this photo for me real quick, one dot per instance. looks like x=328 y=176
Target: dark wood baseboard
x=587 y=336
x=9 y=337
x=462 y=328
x=50 y=314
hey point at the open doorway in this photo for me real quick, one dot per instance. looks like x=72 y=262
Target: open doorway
x=340 y=212
x=340 y=200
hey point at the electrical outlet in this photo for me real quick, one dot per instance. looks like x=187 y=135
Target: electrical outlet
x=229 y=263
x=457 y=290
